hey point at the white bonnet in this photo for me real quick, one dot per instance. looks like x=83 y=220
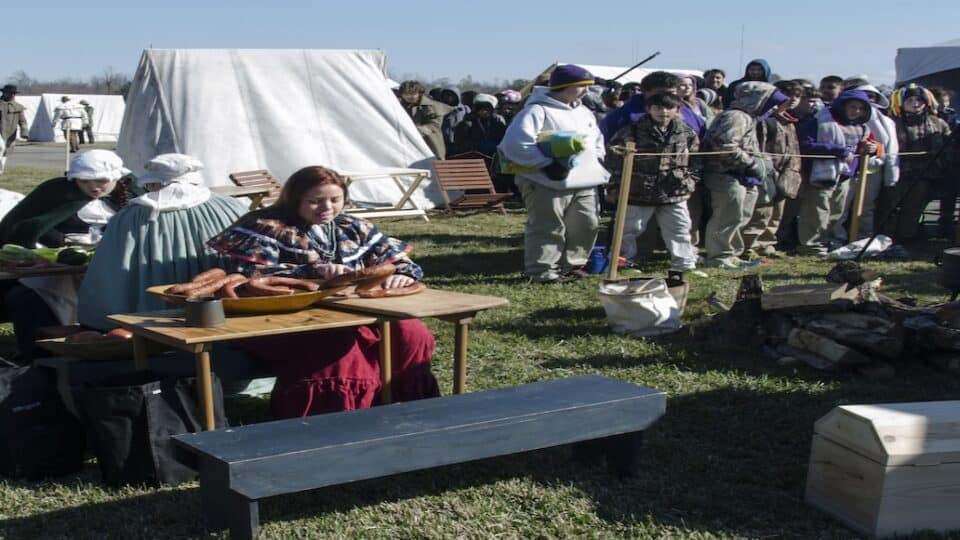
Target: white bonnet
x=97 y=165
x=166 y=169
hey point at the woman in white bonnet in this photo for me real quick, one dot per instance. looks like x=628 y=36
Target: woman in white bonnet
x=73 y=209
x=158 y=238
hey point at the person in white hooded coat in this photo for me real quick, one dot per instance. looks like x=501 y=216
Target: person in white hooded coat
x=884 y=171
x=560 y=195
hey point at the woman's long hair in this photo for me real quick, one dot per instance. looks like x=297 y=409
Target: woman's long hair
x=307 y=178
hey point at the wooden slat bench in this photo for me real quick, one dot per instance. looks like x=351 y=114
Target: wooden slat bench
x=241 y=465
x=471 y=177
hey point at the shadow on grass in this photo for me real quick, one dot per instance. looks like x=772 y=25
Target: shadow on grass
x=489 y=265
x=487 y=242
x=726 y=461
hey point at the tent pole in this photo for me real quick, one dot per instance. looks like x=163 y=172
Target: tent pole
x=620 y=216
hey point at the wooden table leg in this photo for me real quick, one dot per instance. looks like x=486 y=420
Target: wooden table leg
x=139 y=352
x=386 y=364
x=205 y=388
x=460 y=355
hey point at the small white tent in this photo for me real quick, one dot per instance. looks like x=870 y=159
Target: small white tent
x=937 y=65
x=247 y=109
x=31 y=104
x=107 y=117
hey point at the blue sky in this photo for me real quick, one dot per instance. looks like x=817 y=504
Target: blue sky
x=488 y=40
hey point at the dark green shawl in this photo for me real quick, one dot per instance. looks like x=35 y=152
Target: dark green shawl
x=48 y=205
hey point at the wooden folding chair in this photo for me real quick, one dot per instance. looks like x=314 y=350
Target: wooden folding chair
x=471 y=177
x=260 y=178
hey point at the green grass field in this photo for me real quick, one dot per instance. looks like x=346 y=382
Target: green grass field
x=728 y=460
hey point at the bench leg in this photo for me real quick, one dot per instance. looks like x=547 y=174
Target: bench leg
x=623 y=454
x=226 y=509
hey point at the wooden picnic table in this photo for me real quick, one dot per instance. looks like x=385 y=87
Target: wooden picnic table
x=168 y=327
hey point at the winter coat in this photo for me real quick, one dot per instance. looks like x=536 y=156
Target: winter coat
x=428 y=117
x=922 y=133
x=475 y=134
x=731 y=94
x=827 y=133
x=635 y=107
x=544 y=113
x=657 y=180
x=779 y=136
x=735 y=131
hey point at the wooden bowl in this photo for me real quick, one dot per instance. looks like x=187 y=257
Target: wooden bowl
x=251 y=305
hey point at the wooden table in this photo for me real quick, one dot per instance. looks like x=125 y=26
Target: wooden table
x=168 y=327
x=255 y=193
x=405 y=205
x=451 y=306
x=45 y=271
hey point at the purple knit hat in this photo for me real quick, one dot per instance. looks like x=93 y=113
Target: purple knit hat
x=569 y=75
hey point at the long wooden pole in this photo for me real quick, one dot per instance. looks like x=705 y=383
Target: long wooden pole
x=626 y=175
x=66 y=151
x=857 y=209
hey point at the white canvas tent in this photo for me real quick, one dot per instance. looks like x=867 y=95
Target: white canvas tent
x=31 y=104
x=239 y=110
x=107 y=117
x=937 y=65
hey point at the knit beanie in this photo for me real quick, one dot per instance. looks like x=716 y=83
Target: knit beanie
x=485 y=99
x=569 y=75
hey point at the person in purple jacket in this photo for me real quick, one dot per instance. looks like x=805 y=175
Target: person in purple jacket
x=839 y=132
x=658 y=82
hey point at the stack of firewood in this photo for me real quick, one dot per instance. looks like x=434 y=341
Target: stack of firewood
x=844 y=325
x=831 y=327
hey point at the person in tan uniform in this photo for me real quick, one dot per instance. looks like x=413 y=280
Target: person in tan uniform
x=12 y=117
x=71 y=118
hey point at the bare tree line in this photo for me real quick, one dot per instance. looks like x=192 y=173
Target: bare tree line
x=466 y=83
x=107 y=82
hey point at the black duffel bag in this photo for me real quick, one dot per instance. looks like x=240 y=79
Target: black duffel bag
x=129 y=419
x=39 y=438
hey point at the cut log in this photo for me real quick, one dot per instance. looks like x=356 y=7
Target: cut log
x=837 y=354
x=930 y=335
x=777 y=326
x=812 y=360
x=865 y=341
x=863 y=322
x=818 y=297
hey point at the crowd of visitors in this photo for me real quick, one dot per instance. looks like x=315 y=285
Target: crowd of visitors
x=744 y=170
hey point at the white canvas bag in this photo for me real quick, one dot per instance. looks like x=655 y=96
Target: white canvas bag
x=640 y=307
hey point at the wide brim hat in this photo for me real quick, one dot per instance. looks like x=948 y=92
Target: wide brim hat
x=9 y=89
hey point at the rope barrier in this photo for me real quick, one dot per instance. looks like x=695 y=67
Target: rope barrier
x=620 y=150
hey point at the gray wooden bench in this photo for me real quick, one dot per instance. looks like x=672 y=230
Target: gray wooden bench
x=240 y=465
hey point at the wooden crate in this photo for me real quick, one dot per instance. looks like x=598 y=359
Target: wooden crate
x=888 y=469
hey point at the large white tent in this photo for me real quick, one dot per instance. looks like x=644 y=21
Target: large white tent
x=247 y=109
x=937 y=65
x=107 y=117
x=30 y=104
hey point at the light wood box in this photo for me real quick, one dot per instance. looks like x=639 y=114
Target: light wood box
x=888 y=469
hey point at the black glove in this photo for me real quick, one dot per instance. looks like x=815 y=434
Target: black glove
x=555 y=171
x=758 y=169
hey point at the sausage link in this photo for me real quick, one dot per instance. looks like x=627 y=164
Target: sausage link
x=294 y=283
x=264 y=287
x=208 y=288
x=229 y=289
x=380 y=292
x=209 y=275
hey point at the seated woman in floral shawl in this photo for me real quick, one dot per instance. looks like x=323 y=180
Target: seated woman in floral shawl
x=305 y=234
